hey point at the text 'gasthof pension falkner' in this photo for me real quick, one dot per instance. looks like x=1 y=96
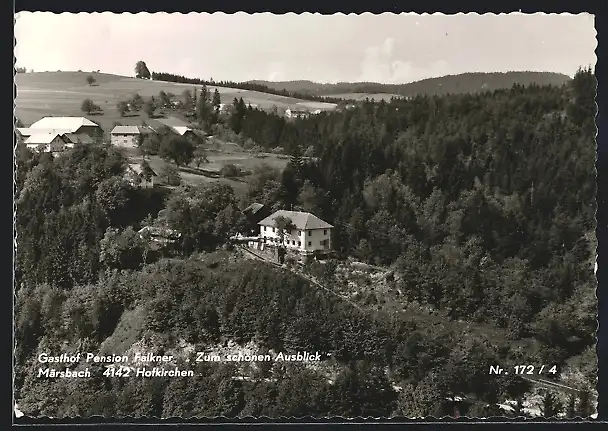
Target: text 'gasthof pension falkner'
x=140 y=364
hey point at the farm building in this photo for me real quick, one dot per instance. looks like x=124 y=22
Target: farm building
x=310 y=233
x=159 y=237
x=46 y=142
x=297 y=113
x=127 y=136
x=255 y=213
x=140 y=176
x=77 y=138
x=194 y=135
x=63 y=125
x=24 y=132
x=182 y=128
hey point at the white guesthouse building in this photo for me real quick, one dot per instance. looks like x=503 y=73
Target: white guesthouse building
x=311 y=234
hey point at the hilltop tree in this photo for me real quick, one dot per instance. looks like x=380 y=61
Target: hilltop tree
x=238 y=115
x=88 y=106
x=122 y=108
x=217 y=100
x=164 y=98
x=230 y=170
x=90 y=80
x=141 y=70
x=204 y=109
x=137 y=101
x=149 y=108
x=178 y=149
x=188 y=100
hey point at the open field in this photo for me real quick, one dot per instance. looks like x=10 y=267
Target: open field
x=363 y=96
x=42 y=94
x=229 y=153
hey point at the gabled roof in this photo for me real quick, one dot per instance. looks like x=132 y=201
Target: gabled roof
x=136 y=167
x=301 y=220
x=172 y=122
x=26 y=131
x=253 y=208
x=181 y=130
x=79 y=138
x=41 y=138
x=126 y=130
x=66 y=124
x=159 y=231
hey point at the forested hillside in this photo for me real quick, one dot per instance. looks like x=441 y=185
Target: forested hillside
x=482 y=206
x=452 y=84
x=482 y=200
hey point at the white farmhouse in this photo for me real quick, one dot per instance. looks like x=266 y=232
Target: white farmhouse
x=46 y=142
x=126 y=136
x=311 y=234
x=62 y=125
x=297 y=113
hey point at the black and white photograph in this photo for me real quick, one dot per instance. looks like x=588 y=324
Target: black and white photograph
x=305 y=216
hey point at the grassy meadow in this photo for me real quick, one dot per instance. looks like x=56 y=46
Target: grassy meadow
x=44 y=94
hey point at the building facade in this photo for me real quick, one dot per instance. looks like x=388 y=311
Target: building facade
x=126 y=136
x=63 y=125
x=46 y=142
x=136 y=176
x=296 y=113
x=310 y=233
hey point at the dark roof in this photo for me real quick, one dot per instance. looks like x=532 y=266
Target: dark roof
x=301 y=220
x=253 y=208
x=79 y=138
x=138 y=169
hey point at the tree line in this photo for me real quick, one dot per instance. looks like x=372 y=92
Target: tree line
x=162 y=76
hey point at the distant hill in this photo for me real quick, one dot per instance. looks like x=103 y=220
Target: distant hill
x=463 y=83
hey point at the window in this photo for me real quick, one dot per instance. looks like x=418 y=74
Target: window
x=309 y=243
x=321 y=243
x=309 y=233
x=264 y=228
x=299 y=243
x=324 y=231
x=273 y=229
x=299 y=232
x=293 y=243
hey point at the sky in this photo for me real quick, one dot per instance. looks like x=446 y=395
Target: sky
x=386 y=48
